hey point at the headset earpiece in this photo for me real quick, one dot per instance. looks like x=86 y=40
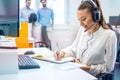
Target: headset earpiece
x=96 y=15
x=95 y=11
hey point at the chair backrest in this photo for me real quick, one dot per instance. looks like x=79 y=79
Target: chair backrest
x=118 y=41
x=106 y=76
x=32 y=18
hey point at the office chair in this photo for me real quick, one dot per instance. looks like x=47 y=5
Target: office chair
x=118 y=41
x=32 y=18
x=41 y=44
x=114 y=20
x=106 y=76
x=45 y=42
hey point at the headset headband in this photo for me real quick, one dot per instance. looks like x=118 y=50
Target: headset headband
x=92 y=3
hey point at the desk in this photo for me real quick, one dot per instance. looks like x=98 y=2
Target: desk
x=45 y=72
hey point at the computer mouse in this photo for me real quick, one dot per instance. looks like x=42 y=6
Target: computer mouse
x=29 y=53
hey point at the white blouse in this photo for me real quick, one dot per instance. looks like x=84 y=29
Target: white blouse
x=98 y=50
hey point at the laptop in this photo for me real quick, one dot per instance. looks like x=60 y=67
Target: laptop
x=8 y=61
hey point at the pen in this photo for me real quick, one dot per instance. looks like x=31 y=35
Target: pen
x=57 y=55
x=76 y=60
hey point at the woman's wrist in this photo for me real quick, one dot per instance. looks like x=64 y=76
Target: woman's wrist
x=86 y=68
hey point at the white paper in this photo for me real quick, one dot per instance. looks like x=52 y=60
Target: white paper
x=65 y=66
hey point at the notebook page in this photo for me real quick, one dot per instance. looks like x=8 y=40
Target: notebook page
x=50 y=58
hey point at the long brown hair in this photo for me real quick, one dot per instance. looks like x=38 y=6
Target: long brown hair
x=85 y=4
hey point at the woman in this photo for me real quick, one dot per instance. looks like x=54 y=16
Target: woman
x=95 y=45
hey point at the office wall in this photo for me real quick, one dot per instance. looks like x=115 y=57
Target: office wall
x=61 y=38
x=110 y=8
x=72 y=11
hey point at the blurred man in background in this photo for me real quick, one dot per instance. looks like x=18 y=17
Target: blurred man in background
x=45 y=17
x=26 y=11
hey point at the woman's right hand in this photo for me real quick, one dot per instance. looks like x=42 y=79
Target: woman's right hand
x=58 y=55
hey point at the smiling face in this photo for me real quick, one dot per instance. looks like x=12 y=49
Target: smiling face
x=85 y=18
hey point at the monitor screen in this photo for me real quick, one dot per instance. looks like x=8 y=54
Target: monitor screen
x=9 y=18
x=114 y=20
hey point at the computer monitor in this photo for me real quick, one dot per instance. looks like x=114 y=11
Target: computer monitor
x=114 y=20
x=9 y=18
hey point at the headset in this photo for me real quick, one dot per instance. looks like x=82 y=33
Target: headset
x=95 y=11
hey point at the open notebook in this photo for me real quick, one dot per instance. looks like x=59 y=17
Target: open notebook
x=50 y=58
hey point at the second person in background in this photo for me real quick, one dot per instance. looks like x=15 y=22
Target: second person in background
x=45 y=17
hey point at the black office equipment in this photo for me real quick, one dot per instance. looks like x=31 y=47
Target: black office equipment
x=26 y=62
x=114 y=20
x=32 y=18
x=29 y=53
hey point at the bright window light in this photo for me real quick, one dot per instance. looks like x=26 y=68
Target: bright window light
x=58 y=7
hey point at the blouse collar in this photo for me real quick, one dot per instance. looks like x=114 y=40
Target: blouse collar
x=97 y=33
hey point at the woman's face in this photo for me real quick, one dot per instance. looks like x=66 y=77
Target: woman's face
x=85 y=18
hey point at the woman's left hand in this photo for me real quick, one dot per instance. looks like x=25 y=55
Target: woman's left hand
x=76 y=60
x=86 y=68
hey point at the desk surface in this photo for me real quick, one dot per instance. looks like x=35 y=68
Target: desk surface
x=45 y=72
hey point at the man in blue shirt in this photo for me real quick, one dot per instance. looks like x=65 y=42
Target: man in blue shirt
x=45 y=17
x=26 y=11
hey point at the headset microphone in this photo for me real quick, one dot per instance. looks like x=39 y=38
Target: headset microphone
x=89 y=26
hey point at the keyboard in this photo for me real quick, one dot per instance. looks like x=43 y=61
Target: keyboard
x=26 y=62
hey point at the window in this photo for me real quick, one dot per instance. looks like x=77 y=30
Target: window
x=58 y=7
